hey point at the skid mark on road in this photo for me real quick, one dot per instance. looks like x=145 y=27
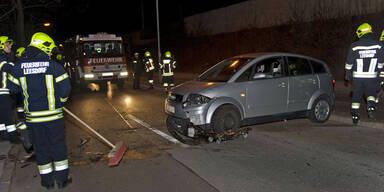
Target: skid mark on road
x=146 y=125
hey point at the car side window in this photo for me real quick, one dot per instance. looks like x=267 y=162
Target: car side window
x=245 y=76
x=298 y=66
x=269 y=68
x=318 y=67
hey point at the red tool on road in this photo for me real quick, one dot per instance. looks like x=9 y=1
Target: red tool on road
x=118 y=150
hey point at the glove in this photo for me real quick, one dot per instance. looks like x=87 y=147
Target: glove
x=348 y=75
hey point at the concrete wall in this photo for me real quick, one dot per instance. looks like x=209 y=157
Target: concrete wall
x=267 y=13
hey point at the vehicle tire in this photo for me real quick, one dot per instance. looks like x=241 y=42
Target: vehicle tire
x=321 y=110
x=225 y=118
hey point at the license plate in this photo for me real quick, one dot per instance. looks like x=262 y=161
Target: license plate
x=107 y=74
x=170 y=108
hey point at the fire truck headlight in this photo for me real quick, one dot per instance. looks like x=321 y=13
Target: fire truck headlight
x=125 y=73
x=89 y=76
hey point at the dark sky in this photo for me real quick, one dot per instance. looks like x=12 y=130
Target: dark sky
x=90 y=16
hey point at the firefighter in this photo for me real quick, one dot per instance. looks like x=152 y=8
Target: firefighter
x=19 y=99
x=7 y=126
x=46 y=87
x=19 y=52
x=167 y=67
x=136 y=67
x=380 y=85
x=365 y=58
x=149 y=68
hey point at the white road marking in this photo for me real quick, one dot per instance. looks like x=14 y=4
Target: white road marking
x=162 y=134
x=146 y=125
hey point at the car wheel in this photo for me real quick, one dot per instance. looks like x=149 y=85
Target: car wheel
x=225 y=118
x=321 y=110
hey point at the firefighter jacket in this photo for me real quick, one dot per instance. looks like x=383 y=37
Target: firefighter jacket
x=44 y=83
x=136 y=65
x=167 y=66
x=365 y=57
x=5 y=69
x=149 y=66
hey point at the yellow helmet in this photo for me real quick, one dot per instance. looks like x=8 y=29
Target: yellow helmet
x=59 y=56
x=43 y=42
x=19 y=51
x=168 y=54
x=363 y=29
x=382 y=36
x=147 y=54
x=4 y=39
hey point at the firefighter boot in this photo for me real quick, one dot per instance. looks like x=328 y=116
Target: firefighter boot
x=45 y=188
x=371 y=112
x=62 y=186
x=355 y=119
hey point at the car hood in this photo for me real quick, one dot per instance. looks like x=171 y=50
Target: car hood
x=194 y=87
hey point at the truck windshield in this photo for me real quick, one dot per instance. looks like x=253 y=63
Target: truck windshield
x=103 y=48
x=224 y=70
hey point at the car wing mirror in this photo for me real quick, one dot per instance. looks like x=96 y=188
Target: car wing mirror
x=259 y=76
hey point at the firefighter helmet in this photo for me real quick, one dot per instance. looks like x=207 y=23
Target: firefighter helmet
x=147 y=54
x=19 y=51
x=4 y=39
x=59 y=56
x=168 y=54
x=363 y=29
x=43 y=42
x=382 y=36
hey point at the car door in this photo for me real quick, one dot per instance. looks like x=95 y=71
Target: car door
x=302 y=83
x=267 y=89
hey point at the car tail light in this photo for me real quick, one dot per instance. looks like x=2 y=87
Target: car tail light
x=333 y=83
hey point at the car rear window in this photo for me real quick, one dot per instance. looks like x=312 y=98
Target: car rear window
x=298 y=66
x=318 y=67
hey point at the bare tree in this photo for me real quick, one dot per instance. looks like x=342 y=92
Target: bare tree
x=12 y=15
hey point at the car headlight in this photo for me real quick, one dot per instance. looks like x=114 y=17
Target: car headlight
x=196 y=100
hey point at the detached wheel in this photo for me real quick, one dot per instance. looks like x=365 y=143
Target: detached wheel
x=321 y=110
x=225 y=118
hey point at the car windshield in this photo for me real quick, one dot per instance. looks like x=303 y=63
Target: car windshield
x=103 y=48
x=224 y=70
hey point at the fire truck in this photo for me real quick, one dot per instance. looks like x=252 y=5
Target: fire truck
x=96 y=58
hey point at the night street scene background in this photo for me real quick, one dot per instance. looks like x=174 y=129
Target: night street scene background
x=281 y=155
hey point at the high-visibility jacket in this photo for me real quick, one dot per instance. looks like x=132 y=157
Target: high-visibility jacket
x=365 y=57
x=167 y=66
x=5 y=69
x=149 y=66
x=44 y=83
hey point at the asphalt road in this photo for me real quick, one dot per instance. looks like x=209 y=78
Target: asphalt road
x=295 y=155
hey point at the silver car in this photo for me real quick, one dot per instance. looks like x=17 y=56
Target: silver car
x=251 y=89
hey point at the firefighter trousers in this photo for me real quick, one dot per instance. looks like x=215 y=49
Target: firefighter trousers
x=136 y=80
x=51 y=153
x=150 y=77
x=361 y=86
x=168 y=81
x=7 y=125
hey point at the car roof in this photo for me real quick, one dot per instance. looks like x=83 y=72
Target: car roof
x=260 y=54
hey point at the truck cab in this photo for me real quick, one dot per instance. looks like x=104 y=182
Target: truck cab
x=96 y=58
